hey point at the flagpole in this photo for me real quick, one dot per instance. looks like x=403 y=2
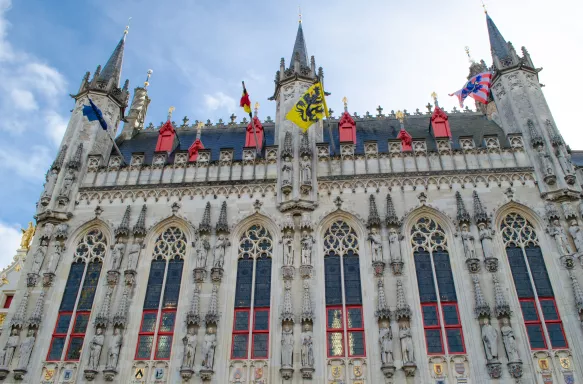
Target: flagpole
x=252 y=122
x=327 y=113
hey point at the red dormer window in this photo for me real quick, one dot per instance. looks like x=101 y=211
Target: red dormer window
x=406 y=140
x=440 y=123
x=250 y=136
x=166 y=138
x=347 y=129
x=193 y=150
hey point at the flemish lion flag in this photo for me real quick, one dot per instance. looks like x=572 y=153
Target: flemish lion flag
x=310 y=108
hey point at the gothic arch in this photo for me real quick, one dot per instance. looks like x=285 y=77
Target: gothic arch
x=158 y=228
x=76 y=234
x=350 y=219
x=255 y=218
x=411 y=218
x=528 y=213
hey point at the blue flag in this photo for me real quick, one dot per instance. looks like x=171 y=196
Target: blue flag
x=94 y=113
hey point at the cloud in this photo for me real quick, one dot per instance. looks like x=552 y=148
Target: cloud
x=56 y=125
x=219 y=100
x=30 y=164
x=9 y=242
x=23 y=100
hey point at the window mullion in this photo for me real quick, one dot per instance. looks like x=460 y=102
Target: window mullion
x=73 y=313
x=439 y=311
x=344 y=313
x=159 y=314
x=252 y=310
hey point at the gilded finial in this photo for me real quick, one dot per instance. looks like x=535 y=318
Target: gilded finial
x=147 y=82
x=484 y=5
x=467 y=49
x=434 y=97
x=345 y=102
x=400 y=116
x=170 y=110
x=27 y=235
x=300 y=13
x=127 y=30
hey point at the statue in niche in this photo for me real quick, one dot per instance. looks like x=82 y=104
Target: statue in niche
x=395 y=245
x=306 y=171
x=220 y=250
x=55 y=257
x=288 y=250
x=376 y=244
x=307 y=353
x=26 y=350
x=114 y=349
x=48 y=230
x=576 y=234
x=134 y=255
x=565 y=162
x=490 y=340
x=208 y=350
x=386 y=342
x=201 y=248
x=509 y=341
x=95 y=349
x=287 y=171
x=38 y=258
x=67 y=182
x=117 y=255
x=50 y=183
x=545 y=161
x=307 y=243
x=468 y=242
x=406 y=344
x=486 y=238
x=189 y=342
x=558 y=233
x=287 y=346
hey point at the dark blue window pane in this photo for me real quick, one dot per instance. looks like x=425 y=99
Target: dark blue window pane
x=260 y=345
x=164 y=347
x=173 y=280
x=81 y=322
x=261 y=321
x=89 y=286
x=430 y=317
x=244 y=283
x=155 y=281
x=240 y=346
x=557 y=336
x=535 y=336
x=450 y=315
x=519 y=273
x=454 y=340
x=425 y=277
x=333 y=279
x=75 y=346
x=356 y=343
x=539 y=272
x=149 y=322
x=355 y=318
x=63 y=324
x=444 y=276
x=433 y=337
x=352 y=288
x=529 y=310
x=241 y=321
x=167 y=322
x=263 y=282
x=72 y=286
x=56 y=348
x=144 y=347
x=549 y=310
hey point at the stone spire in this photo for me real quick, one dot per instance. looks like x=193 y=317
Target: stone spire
x=392 y=220
x=193 y=315
x=140 y=227
x=75 y=162
x=19 y=316
x=212 y=316
x=37 y=315
x=577 y=292
x=403 y=310
x=462 y=214
x=480 y=215
x=287 y=311
x=482 y=309
x=373 y=214
x=536 y=139
x=498 y=45
x=501 y=308
x=102 y=319
x=120 y=317
x=58 y=163
x=300 y=51
x=307 y=310
x=124 y=226
x=222 y=224
x=287 y=146
x=305 y=149
x=112 y=70
x=205 y=224
x=382 y=311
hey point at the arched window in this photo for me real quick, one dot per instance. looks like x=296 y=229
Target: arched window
x=344 y=317
x=159 y=316
x=77 y=301
x=533 y=286
x=441 y=319
x=253 y=295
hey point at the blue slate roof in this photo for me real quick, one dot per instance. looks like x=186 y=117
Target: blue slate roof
x=497 y=43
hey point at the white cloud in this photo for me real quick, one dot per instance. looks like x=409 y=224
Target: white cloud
x=219 y=100
x=56 y=125
x=30 y=164
x=24 y=100
x=9 y=242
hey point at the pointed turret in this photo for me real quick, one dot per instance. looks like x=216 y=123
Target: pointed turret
x=462 y=214
x=501 y=307
x=18 y=319
x=222 y=224
x=193 y=315
x=307 y=309
x=392 y=220
x=480 y=215
x=382 y=311
x=300 y=51
x=140 y=227
x=102 y=318
x=212 y=316
x=124 y=226
x=481 y=309
x=498 y=44
x=36 y=317
x=374 y=219
x=205 y=224
x=120 y=317
x=287 y=311
x=403 y=310
x=112 y=70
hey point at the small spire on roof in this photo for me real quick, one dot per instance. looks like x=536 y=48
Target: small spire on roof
x=147 y=82
x=345 y=102
x=170 y=110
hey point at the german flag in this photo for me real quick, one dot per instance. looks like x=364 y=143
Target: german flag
x=246 y=102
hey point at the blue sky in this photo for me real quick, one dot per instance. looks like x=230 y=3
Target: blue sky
x=391 y=53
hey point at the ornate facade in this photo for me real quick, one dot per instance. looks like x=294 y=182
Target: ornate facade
x=396 y=248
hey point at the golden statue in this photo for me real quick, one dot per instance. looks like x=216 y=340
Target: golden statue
x=27 y=235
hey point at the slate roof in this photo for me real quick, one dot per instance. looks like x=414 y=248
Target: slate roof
x=367 y=129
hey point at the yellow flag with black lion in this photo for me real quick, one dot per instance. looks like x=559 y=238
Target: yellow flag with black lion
x=310 y=108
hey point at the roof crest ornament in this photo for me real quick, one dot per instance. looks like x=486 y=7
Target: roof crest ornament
x=148 y=75
x=434 y=97
x=345 y=102
x=170 y=110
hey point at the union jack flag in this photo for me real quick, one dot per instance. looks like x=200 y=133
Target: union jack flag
x=478 y=87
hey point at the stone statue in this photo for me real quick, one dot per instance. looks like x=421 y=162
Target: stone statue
x=306 y=171
x=95 y=349
x=287 y=346
x=376 y=245
x=545 y=161
x=307 y=348
x=386 y=342
x=509 y=341
x=50 y=183
x=189 y=342
x=576 y=234
x=61 y=230
x=394 y=245
x=558 y=233
x=67 y=183
x=490 y=340
x=114 y=349
x=406 y=344
x=55 y=257
x=565 y=162
x=288 y=250
x=117 y=255
x=201 y=248
x=287 y=170
x=468 y=242
x=48 y=230
x=307 y=243
x=39 y=256
x=27 y=235
x=486 y=238
x=134 y=255
x=208 y=351
x=26 y=350
x=220 y=251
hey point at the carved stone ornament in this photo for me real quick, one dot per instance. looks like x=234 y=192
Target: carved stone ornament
x=494 y=370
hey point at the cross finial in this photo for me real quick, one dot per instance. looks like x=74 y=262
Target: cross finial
x=434 y=97
x=484 y=6
x=300 y=13
x=127 y=30
x=380 y=110
x=345 y=102
x=147 y=82
x=170 y=110
x=185 y=121
x=428 y=106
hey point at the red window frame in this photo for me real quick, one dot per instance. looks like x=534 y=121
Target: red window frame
x=78 y=334
x=59 y=335
x=240 y=331
x=164 y=333
x=555 y=321
x=335 y=330
x=153 y=334
x=350 y=330
x=537 y=322
x=259 y=332
x=8 y=301
x=453 y=326
x=433 y=327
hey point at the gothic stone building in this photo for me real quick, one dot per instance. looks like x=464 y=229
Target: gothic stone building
x=396 y=248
